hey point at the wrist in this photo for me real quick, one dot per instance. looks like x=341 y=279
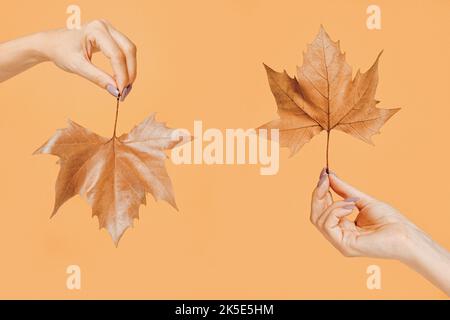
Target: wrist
x=412 y=244
x=429 y=259
x=422 y=252
x=38 y=47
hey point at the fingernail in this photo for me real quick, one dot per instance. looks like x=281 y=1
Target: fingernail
x=112 y=90
x=126 y=92
x=321 y=180
x=349 y=207
x=352 y=199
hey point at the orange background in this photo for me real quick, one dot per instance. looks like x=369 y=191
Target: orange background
x=238 y=234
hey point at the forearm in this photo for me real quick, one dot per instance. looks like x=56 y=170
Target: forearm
x=430 y=260
x=20 y=54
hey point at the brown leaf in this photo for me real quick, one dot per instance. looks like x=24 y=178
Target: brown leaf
x=113 y=174
x=324 y=97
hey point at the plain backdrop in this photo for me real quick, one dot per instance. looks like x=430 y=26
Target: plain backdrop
x=238 y=234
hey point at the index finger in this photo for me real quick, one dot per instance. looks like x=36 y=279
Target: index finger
x=129 y=50
x=107 y=45
x=346 y=190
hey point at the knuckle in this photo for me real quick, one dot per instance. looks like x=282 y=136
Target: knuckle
x=96 y=24
x=320 y=223
x=346 y=253
x=104 y=21
x=131 y=48
x=118 y=56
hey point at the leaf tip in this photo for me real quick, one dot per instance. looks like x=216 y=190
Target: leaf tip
x=37 y=151
x=173 y=203
x=323 y=32
x=116 y=237
x=378 y=58
x=394 y=111
x=268 y=69
x=293 y=151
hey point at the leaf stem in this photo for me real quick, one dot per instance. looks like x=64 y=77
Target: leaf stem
x=328 y=147
x=117 y=116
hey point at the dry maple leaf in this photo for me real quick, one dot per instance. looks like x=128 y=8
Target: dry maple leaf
x=113 y=174
x=324 y=97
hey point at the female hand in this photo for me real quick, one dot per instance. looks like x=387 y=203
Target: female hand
x=72 y=50
x=378 y=231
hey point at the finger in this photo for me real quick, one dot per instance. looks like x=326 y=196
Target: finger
x=329 y=197
x=322 y=187
x=87 y=70
x=107 y=45
x=345 y=190
x=128 y=48
x=321 y=197
x=333 y=219
x=332 y=229
x=329 y=211
x=346 y=224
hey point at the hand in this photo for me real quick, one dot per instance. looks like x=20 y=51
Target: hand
x=378 y=231
x=72 y=50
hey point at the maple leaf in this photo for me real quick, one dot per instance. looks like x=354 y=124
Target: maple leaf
x=113 y=174
x=324 y=97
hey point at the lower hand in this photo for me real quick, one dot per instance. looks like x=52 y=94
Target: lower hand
x=378 y=231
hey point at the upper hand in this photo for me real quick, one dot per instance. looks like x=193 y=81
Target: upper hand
x=72 y=50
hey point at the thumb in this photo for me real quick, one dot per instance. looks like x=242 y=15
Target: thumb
x=346 y=190
x=89 y=71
